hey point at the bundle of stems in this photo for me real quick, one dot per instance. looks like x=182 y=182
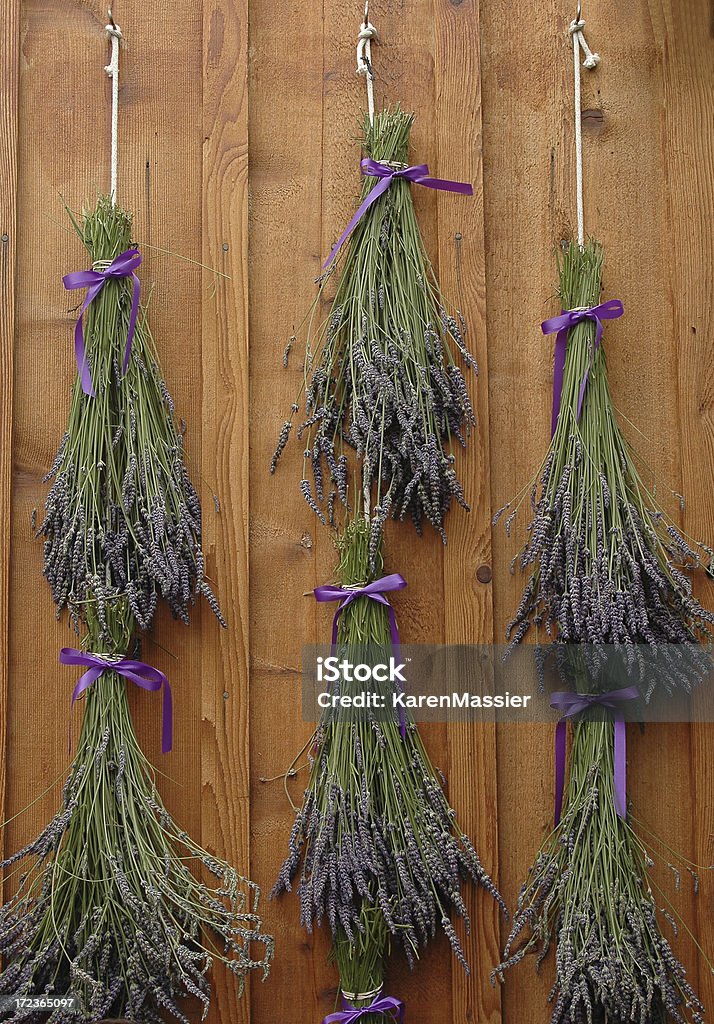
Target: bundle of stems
x=360 y=960
x=122 y=519
x=607 y=565
x=381 y=371
x=609 y=582
x=589 y=892
x=375 y=843
x=108 y=909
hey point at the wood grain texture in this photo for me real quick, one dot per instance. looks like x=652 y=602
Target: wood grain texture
x=285 y=132
x=688 y=92
x=9 y=127
x=224 y=401
x=468 y=601
x=238 y=128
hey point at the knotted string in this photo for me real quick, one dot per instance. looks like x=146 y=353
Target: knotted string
x=591 y=61
x=367 y=33
x=112 y=69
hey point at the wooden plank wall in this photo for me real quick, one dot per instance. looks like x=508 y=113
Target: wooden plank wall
x=238 y=125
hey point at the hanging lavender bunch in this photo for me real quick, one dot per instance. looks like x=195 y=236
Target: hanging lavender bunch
x=608 y=580
x=606 y=564
x=588 y=893
x=382 y=371
x=114 y=903
x=375 y=844
x=122 y=519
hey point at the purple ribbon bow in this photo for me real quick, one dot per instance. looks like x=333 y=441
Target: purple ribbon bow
x=570 y=704
x=564 y=323
x=386 y=1005
x=94 y=280
x=138 y=672
x=376 y=591
x=419 y=174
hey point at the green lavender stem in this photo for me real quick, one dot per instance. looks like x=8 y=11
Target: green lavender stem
x=361 y=963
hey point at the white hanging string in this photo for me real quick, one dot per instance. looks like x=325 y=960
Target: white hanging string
x=367 y=33
x=591 y=61
x=112 y=69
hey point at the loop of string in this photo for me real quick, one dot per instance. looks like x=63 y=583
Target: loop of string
x=361 y=997
x=367 y=33
x=112 y=69
x=591 y=61
x=111 y=659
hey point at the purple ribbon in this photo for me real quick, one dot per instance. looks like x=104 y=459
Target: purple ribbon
x=419 y=174
x=138 y=672
x=570 y=704
x=94 y=280
x=375 y=591
x=386 y=1005
x=564 y=323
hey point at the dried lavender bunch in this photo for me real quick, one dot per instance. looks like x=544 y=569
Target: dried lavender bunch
x=106 y=907
x=375 y=831
x=381 y=373
x=606 y=564
x=588 y=892
x=122 y=519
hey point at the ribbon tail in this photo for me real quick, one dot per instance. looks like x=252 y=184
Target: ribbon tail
x=135 y=292
x=335 y=628
x=370 y=198
x=560 y=731
x=167 y=722
x=561 y=345
x=151 y=679
x=80 y=352
x=464 y=188
x=394 y=632
x=620 y=767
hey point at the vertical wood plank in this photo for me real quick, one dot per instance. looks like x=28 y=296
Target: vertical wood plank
x=9 y=88
x=285 y=128
x=688 y=151
x=468 y=598
x=526 y=159
x=224 y=351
